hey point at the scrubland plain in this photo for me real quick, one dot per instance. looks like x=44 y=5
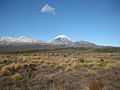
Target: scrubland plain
x=60 y=70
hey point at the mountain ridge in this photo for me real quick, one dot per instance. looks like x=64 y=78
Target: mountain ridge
x=23 y=43
x=59 y=40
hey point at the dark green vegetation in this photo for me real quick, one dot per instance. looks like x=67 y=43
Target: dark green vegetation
x=59 y=49
x=61 y=69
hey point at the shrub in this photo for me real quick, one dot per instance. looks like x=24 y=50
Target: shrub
x=29 y=74
x=68 y=68
x=91 y=73
x=8 y=69
x=3 y=62
x=102 y=63
x=81 y=60
x=75 y=65
x=5 y=71
x=95 y=84
x=16 y=77
x=62 y=65
x=102 y=60
x=18 y=66
x=64 y=55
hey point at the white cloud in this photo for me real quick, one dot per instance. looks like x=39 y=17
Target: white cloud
x=48 y=9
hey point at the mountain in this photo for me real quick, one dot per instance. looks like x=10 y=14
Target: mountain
x=22 y=43
x=25 y=39
x=66 y=41
x=84 y=44
x=62 y=40
x=19 y=40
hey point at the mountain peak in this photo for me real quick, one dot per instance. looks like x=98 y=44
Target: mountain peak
x=25 y=39
x=62 y=40
x=22 y=37
x=62 y=36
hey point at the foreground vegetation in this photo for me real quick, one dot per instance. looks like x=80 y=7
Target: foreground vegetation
x=66 y=69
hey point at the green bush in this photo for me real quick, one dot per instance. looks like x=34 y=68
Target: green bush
x=29 y=74
x=3 y=62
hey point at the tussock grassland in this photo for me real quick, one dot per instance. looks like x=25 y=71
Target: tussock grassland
x=60 y=71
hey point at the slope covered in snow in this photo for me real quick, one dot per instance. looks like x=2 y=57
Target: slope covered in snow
x=21 y=39
x=61 y=40
x=62 y=36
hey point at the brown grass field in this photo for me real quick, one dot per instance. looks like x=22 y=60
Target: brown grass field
x=72 y=70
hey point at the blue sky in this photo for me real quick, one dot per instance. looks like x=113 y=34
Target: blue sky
x=96 y=21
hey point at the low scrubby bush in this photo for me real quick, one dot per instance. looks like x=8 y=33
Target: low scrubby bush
x=16 y=77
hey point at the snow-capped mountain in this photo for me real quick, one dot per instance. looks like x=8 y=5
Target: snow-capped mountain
x=62 y=40
x=59 y=40
x=25 y=39
x=7 y=39
x=25 y=43
x=21 y=39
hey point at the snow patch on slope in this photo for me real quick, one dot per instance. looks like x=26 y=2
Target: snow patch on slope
x=19 y=39
x=62 y=36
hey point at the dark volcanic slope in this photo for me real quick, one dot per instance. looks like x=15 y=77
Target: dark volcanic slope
x=24 y=47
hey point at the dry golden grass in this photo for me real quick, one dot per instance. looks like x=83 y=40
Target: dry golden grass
x=65 y=61
x=67 y=69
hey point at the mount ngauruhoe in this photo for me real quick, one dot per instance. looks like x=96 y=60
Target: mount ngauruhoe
x=62 y=40
x=26 y=43
x=66 y=41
